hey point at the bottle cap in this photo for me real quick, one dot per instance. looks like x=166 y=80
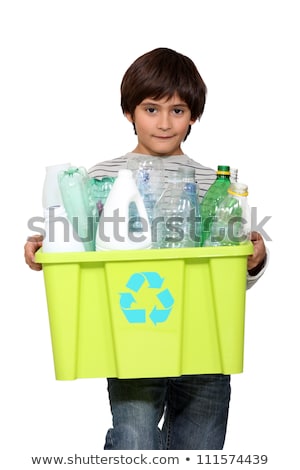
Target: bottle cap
x=238 y=189
x=186 y=171
x=223 y=170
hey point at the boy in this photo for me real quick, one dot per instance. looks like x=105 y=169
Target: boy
x=163 y=95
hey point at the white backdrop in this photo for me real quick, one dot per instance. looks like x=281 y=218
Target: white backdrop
x=61 y=67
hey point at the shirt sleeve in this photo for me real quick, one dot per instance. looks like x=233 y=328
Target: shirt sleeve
x=251 y=280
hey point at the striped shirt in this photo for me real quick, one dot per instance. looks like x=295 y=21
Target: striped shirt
x=204 y=176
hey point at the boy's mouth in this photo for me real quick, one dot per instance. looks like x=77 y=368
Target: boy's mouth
x=163 y=137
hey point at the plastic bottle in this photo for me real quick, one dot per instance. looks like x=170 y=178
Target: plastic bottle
x=59 y=233
x=113 y=229
x=74 y=187
x=51 y=193
x=195 y=225
x=173 y=225
x=232 y=222
x=214 y=194
x=188 y=176
x=234 y=175
x=98 y=191
x=148 y=173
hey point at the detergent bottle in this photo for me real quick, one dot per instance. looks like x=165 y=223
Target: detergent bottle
x=115 y=225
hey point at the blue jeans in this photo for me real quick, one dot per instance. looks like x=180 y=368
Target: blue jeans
x=195 y=410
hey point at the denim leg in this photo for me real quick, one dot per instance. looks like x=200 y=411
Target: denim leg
x=196 y=412
x=137 y=406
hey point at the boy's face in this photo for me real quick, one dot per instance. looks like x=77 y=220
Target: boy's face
x=161 y=125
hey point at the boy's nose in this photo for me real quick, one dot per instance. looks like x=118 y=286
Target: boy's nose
x=164 y=122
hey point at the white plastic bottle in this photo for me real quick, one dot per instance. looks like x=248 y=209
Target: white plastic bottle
x=113 y=229
x=51 y=193
x=59 y=232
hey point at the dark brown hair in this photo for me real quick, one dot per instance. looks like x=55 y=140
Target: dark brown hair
x=161 y=73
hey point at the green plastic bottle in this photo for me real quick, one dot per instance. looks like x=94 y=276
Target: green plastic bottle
x=232 y=222
x=216 y=192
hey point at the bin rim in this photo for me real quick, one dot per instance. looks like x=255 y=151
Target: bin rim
x=244 y=249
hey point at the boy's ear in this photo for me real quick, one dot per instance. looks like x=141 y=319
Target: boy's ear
x=129 y=117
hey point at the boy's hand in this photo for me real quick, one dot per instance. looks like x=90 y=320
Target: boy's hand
x=259 y=253
x=31 y=246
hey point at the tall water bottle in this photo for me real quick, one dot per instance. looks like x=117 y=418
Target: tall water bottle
x=173 y=224
x=232 y=224
x=214 y=194
x=74 y=187
x=188 y=175
x=59 y=232
x=113 y=231
x=51 y=195
x=148 y=173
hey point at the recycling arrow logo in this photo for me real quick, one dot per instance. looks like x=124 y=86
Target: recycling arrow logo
x=162 y=299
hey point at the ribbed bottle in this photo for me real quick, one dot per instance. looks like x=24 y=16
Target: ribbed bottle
x=173 y=217
x=148 y=174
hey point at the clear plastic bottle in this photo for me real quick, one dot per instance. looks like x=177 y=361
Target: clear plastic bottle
x=187 y=173
x=234 y=172
x=60 y=235
x=232 y=222
x=188 y=176
x=148 y=173
x=114 y=225
x=173 y=225
x=214 y=194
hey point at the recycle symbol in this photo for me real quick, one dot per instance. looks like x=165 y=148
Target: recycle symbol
x=163 y=299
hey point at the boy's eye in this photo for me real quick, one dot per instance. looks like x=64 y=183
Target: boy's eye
x=150 y=109
x=178 y=111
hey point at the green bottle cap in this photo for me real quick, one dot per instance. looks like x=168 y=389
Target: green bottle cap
x=223 y=170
